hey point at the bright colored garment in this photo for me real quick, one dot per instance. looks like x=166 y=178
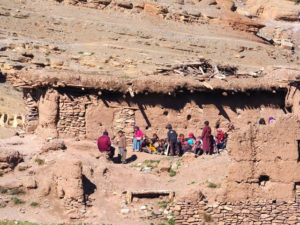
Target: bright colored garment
x=206 y=138
x=104 y=143
x=138 y=134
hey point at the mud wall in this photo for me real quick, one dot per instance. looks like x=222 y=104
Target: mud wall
x=262 y=185
x=265 y=161
x=75 y=112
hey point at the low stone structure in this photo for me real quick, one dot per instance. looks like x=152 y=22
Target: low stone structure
x=243 y=212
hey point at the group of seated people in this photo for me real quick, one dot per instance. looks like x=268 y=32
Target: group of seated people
x=206 y=143
x=174 y=144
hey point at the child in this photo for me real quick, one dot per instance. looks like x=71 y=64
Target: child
x=161 y=147
x=191 y=139
x=186 y=146
x=122 y=147
x=145 y=144
x=137 y=139
x=180 y=144
x=197 y=149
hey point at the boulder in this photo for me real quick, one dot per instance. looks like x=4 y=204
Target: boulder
x=29 y=182
x=9 y=159
x=53 y=145
x=274 y=9
x=287 y=45
x=226 y=4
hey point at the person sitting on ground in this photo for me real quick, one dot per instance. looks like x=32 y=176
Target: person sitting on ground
x=224 y=141
x=219 y=139
x=137 y=139
x=172 y=140
x=122 y=147
x=104 y=145
x=180 y=144
x=207 y=138
x=154 y=143
x=197 y=148
x=162 y=146
x=145 y=144
x=154 y=139
x=191 y=139
x=186 y=146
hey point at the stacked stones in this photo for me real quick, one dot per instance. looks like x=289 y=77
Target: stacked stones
x=71 y=116
x=262 y=212
x=227 y=213
x=125 y=120
x=297 y=191
x=32 y=115
x=188 y=212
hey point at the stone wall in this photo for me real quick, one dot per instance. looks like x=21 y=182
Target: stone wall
x=32 y=113
x=245 y=212
x=86 y=114
x=71 y=116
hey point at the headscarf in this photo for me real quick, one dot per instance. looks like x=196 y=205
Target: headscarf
x=191 y=135
x=105 y=133
x=271 y=119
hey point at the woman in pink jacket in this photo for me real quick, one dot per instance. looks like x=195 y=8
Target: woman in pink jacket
x=137 y=139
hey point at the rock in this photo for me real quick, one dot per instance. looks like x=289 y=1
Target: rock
x=154 y=9
x=125 y=211
x=226 y=4
x=147 y=169
x=164 y=166
x=125 y=4
x=30 y=183
x=44 y=187
x=23 y=166
x=53 y=145
x=9 y=159
x=287 y=45
x=143 y=207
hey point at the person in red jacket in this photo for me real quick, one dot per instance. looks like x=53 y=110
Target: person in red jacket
x=207 y=138
x=104 y=145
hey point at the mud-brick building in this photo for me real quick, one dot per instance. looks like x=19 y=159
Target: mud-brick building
x=65 y=104
x=263 y=181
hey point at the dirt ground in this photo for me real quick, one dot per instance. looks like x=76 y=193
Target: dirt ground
x=124 y=44
x=191 y=174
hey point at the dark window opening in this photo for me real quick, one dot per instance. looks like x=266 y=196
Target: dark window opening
x=166 y=113
x=298 y=148
x=297 y=186
x=5 y=118
x=289 y=109
x=189 y=117
x=263 y=179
